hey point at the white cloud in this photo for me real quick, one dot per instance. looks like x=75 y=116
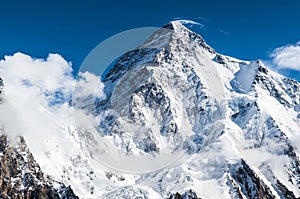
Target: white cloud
x=50 y=74
x=50 y=129
x=30 y=85
x=37 y=94
x=88 y=84
x=287 y=57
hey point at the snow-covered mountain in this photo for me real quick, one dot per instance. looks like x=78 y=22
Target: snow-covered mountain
x=175 y=119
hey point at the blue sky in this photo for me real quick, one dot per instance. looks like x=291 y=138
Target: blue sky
x=242 y=29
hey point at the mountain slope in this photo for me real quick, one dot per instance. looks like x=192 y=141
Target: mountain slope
x=179 y=120
x=21 y=176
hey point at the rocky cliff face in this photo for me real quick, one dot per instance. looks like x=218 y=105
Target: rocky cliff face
x=21 y=176
x=190 y=194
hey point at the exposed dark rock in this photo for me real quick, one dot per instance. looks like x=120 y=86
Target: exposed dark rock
x=21 y=177
x=266 y=82
x=190 y=194
x=235 y=190
x=248 y=181
x=284 y=191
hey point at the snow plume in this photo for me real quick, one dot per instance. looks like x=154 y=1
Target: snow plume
x=190 y=23
x=287 y=57
x=185 y=21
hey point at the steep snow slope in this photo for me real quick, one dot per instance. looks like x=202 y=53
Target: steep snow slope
x=176 y=116
x=21 y=176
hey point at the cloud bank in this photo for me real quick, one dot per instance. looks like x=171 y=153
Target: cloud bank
x=287 y=57
x=37 y=94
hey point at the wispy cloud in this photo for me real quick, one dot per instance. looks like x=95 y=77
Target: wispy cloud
x=200 y=24
x=189 y=22
x=185 y=21
x=223 y=32
x=287 y=57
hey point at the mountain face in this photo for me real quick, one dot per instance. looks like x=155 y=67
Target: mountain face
x=194 y=124
x=21 y=176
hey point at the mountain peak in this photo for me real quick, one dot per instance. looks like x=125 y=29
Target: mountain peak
x=178 y=28
x=172 y=40
x=175 y=25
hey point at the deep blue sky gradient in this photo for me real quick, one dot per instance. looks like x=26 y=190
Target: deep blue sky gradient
x=242 y=29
